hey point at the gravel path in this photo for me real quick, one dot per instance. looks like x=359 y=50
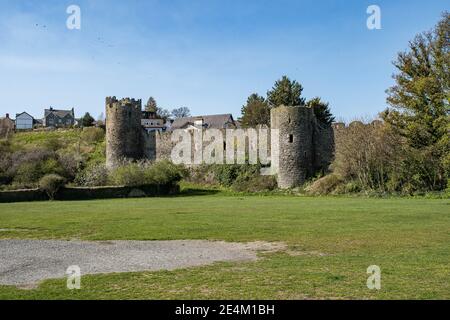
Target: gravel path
x=27 y=262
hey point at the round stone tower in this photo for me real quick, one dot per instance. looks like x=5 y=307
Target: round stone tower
x=124 y=138
x=295 y=127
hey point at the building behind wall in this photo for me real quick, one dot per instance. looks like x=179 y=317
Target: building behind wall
x=218 y=121
x=59 y=118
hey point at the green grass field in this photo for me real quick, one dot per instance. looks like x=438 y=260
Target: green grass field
x=331 y=242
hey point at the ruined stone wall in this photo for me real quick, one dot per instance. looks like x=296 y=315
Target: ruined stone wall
x=305 y=147
x=124 y=134
x=165 y=145
x=149 y=139
x=324 y=147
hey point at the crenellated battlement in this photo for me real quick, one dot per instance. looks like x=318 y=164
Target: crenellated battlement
x=113 y=102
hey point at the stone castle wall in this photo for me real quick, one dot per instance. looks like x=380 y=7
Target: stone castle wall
x=164 y=144
x=324 y=147
x=305 y=147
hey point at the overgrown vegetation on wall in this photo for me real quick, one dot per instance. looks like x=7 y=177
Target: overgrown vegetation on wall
x=370 y=157
x=240 y=178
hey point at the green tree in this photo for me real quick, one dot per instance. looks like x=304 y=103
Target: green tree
x=158 y=113
x=419 y=103
x=321 y=110
x=255 y=112
x=285 y=92
x=87 y=120
x=151 y=105
x=51 y=184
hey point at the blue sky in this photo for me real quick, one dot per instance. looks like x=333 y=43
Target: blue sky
x=203 y=54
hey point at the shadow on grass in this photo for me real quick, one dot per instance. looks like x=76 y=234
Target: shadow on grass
x=188 y=192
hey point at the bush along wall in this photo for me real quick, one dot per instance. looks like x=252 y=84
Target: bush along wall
x=92 y=193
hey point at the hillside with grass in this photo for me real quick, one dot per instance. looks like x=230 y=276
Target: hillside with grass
x=26 y=157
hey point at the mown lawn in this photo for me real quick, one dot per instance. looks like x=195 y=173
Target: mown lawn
x=331 y=242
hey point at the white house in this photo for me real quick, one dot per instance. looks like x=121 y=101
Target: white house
x=153 y=125
x=24 y=121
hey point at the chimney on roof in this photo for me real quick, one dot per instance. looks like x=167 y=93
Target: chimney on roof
x=7 y=115
x=51 y=108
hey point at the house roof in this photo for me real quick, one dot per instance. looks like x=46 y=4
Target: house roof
x=218 y=121
x=59 y=113
x=19 y=114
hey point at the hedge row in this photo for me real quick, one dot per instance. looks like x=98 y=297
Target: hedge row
x=89 y=193
x=23 y=195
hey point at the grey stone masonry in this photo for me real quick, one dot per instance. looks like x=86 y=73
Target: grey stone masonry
x=304 y=145
x=124 y=138
x=296 y=151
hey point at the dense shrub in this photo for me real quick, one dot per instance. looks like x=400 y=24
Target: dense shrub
x=5 y=146
x=97 y=155
x=92 y=135
x=128 y=174
x=28 y=156
x=164 y=172
x=5 y=164
x=368 y=155
x=28 y=166
x=202 y=174
x=71 y=164
x=226 y=174
x=28 y=173
x=143 y=173
x=374 y=158
x=93 y=176
x=324 y=185
x=51 y=184
x=240 y=178
x=53 y=144
x=255 y=183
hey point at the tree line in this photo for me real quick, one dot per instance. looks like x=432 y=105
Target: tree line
x=408 y=150
x=284 y=92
